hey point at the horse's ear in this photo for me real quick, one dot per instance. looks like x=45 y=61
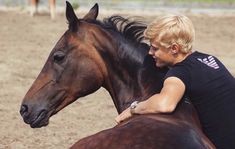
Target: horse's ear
x=71 y=17
x=93 y=13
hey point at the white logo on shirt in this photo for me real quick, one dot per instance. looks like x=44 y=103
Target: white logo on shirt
x=209 y=61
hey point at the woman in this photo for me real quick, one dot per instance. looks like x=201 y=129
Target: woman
x=200 y=77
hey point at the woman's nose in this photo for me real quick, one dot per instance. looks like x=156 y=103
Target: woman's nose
x=151 y=52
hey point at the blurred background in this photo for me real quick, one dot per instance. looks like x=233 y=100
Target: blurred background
x=144 y=5
x=27 y=38
x=131 y=3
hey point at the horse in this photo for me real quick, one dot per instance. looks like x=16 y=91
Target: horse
x=34 y=7
x=110 y=54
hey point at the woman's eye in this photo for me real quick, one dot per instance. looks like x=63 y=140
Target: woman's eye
x=58 y=56
x=153 y=48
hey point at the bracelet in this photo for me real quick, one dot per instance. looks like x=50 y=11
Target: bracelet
x=133 y=106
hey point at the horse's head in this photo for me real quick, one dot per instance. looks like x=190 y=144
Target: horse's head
x=73 y=69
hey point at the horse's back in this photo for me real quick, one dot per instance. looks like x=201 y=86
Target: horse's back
x=145 y=133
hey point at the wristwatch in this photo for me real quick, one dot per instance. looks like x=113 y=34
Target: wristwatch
x=133 y=106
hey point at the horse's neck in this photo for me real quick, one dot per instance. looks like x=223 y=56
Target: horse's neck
x=122 y=80
x=124 y=87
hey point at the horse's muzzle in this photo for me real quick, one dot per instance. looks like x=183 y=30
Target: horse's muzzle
x=35 y=119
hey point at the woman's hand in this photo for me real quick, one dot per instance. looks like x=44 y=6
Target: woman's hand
x=123 y=116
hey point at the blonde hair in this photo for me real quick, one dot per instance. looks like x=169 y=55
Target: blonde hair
x=172 y=29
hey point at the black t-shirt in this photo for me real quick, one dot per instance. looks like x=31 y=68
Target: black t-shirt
x=211 y=89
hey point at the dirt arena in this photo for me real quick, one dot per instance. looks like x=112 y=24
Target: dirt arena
x=25 y=43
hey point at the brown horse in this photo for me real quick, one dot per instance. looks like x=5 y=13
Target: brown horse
x=110 y=54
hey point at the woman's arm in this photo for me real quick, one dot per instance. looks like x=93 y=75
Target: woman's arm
x=164 y=102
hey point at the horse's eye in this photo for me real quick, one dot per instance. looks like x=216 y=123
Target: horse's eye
x=58 y=56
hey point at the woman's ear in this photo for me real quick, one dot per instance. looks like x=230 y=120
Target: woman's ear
x=175 y=48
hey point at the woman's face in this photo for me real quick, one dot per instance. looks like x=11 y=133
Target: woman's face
x=162 y=56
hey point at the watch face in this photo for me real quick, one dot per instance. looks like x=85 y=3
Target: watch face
x=134 y=104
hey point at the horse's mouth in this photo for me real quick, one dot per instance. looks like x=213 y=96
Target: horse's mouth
x=41 y=120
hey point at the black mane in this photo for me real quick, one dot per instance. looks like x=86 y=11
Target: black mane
x=130 y=28
x=132 y=51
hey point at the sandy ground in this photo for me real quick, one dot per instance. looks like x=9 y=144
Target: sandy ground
x=25 y=43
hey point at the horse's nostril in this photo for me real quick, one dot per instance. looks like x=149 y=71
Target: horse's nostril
x=23 y=109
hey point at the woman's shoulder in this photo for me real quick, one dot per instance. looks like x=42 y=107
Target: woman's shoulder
x=201 y=54
x=198 y=58
x=197 y=54
x=207 y=60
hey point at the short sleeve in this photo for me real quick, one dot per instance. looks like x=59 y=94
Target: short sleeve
x=180 y=72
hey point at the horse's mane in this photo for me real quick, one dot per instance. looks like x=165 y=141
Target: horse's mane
x=129 y=32
x=133 y=51
x=131 y=28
